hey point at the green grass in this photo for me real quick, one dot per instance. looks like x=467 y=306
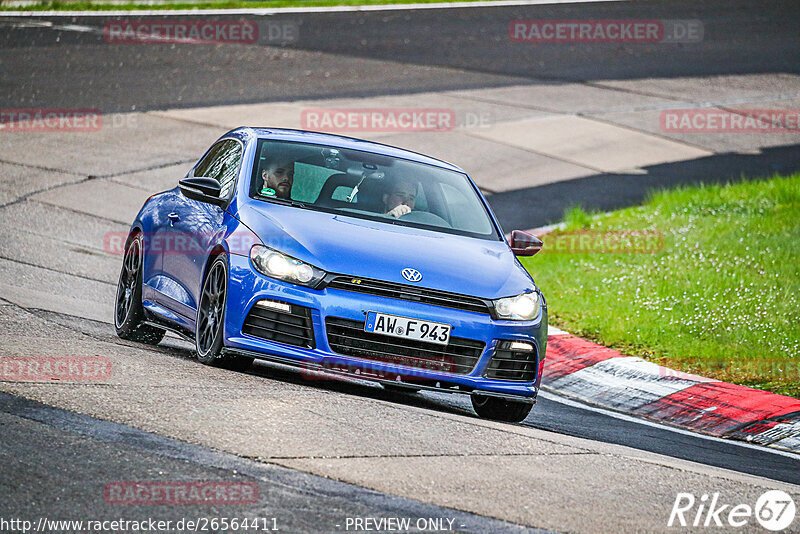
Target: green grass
x=200 y=5
x=575 y=218
x=721 y=299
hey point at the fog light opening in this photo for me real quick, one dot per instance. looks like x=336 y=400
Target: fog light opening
x=520 y=346
x=275 y=306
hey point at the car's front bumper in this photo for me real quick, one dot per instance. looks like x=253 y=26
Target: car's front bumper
x=246 y=287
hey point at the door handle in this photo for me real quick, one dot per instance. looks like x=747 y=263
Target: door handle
x=173 y=218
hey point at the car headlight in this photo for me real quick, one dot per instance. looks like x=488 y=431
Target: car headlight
x=520 y=308
x=276 y=265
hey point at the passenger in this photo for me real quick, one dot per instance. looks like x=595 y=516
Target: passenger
x=400 y=198
x=278 y=177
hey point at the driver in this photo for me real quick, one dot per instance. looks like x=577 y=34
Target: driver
x=278 y=177
x=400 y=198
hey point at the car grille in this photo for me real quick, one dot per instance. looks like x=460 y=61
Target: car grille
x=512 y=365
x=347 y=337
x=412 y=293
x=292 y=328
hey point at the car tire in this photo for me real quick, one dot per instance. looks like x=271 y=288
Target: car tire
x=209 y=333
x=497 y=409
x=128 y=310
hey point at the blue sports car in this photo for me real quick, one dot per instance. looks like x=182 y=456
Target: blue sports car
x=338 y=255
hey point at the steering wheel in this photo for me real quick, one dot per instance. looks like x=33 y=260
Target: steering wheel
x=424 y=217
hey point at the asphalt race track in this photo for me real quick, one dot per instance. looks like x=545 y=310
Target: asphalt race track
x=322 y=451
x=370 y=53
x=66 y=63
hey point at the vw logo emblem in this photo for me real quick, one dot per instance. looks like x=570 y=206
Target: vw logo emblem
x=412 y=275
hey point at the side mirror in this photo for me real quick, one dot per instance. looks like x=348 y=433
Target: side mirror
x=202 y=190
x=525 y=244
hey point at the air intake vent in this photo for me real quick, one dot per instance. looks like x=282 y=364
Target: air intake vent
x=281 y=322
x=514 y=361
x=457 y=357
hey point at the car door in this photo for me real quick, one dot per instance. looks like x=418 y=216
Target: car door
x=156 y=235
x=197 y=227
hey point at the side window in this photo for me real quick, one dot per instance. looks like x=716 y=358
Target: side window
x=222 y=164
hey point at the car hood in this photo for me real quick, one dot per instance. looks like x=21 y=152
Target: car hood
x=370 y=249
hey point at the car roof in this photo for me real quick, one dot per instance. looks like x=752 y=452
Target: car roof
x=340 y=141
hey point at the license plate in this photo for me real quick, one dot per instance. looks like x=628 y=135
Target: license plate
x=407 y=327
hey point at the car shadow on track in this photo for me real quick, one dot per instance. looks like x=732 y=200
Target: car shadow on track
x=545 y=204
x=176 y=347
x=179 y=348
x=360 y=388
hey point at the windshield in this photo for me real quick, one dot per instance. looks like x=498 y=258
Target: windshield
x=367 y=185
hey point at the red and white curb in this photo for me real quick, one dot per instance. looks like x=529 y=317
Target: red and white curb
x=605 y=377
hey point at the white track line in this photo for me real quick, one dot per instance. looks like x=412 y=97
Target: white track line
x=52 y=26
x=640 y=420
x=285 y=10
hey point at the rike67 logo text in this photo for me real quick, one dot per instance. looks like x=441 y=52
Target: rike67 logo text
x=774 y=510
